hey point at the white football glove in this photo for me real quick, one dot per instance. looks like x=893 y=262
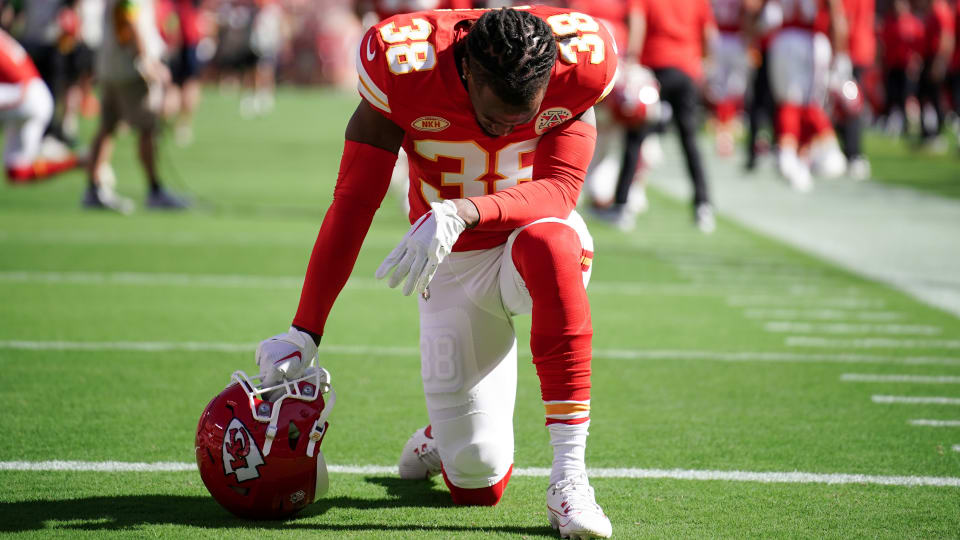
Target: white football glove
x=841 y=70
x=285 y=356
x=429 y=240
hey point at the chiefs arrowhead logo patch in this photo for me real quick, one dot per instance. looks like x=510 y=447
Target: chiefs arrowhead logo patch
x=241 y=456
x=430 y=123
x=552 y=118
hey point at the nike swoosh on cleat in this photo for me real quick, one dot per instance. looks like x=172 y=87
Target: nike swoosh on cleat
x=560 y=515
x=291 y=355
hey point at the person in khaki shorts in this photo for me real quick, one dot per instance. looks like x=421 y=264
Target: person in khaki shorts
x=132 y=79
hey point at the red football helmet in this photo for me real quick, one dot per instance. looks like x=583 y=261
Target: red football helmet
x=846 y=100
x=260 y=458
x=635 y=99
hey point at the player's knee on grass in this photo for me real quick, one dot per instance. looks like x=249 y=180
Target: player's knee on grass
x=472 y=475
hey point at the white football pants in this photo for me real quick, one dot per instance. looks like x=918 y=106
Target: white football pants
x=799 y=66
x=25 y=110
x=468 y=352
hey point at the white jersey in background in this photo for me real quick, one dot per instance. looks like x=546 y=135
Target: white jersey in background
x=115 y=61
x=91 y=22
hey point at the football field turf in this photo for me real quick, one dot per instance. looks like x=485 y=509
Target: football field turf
x=740 y=387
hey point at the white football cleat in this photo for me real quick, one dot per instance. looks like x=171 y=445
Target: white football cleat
x=420 y=458
x=573 y=510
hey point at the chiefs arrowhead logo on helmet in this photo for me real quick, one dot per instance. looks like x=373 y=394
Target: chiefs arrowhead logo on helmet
x=261 y=459
x=241 y=456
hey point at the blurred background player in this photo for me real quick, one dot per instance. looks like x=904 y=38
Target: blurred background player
x=760 y=106
x=938 y=44
x=953 y=78
x=728 y=70
x=901 y=38
x=25 y=110
x=42 y=36
x=179 y=22
x=132 y=79
x=848 y=93
x=673 y=39
x=800 y=68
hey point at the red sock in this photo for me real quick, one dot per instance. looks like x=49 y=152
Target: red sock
x=40 y=169
x=789 y=121
x=551 y=260
x=726 y=110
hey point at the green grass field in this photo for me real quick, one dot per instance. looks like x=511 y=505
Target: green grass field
x=707 y=359
x=894 y=161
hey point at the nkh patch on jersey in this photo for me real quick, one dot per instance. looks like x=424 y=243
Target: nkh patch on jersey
x=407 y=67
x=241 y=455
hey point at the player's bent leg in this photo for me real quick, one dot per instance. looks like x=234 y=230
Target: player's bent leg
x=468 y=367
x=551 y=260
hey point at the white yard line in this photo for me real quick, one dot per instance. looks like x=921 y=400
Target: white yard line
x=835 y=302
x=956 y=448
x=871 y=343
x=607 y=354
x=915 y=400
x=239 y=281
x=935 y=423
x=821 y=314
x=922 y=379
x=800 y=327
x=792 y=477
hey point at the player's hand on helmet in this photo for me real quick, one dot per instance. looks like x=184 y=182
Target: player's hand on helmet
x=285 y=356
x=429 y=240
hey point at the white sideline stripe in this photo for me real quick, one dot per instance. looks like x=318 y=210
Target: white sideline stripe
x=610 y=354
x=916 y=400
x=794 y=477
x=796 y=327
x=240 y=281
x=872 y=343
x=929 y=379
x=935 y=423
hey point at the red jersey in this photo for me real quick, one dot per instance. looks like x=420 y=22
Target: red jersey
x=860 y=21
x=728 y=14
x=939 y=22
x=407 y=71
x=613 y=13
x=15 y=65
x=812 y=15
x=902 y=36
x=675 y=34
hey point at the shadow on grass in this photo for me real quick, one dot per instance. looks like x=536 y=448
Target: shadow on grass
x=130 y=512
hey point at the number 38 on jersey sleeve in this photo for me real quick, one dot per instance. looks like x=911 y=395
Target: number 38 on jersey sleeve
x=407 y=69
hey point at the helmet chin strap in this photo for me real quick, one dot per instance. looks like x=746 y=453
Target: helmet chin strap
x=320 y=380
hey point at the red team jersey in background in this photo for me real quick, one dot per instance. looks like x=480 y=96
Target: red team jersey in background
x=613 y=13
x=860 y=24
x=939 y=20
x=902 y=36
x=812 y=15
x=408 y=73
x=675 y=34
x=15 y=65
x=728 y=14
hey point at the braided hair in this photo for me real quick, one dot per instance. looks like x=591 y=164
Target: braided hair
x=516 y=51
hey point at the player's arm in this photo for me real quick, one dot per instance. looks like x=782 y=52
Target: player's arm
x=369 y=154
x=839 y=28
x=559 y=168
